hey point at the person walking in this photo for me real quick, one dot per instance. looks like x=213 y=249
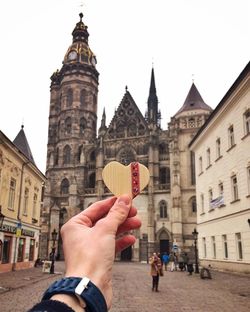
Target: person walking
x=155 y=272
x=185 y=261
x=165 y=260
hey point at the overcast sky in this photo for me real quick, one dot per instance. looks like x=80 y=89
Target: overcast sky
x=204 y=40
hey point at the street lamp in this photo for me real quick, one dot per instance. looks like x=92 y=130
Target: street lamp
x=1 y=217
x=195 y=235
x=52 y=254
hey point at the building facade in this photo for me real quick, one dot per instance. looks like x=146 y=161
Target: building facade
x=222 y=153
x=21 y=185
x=77 y=154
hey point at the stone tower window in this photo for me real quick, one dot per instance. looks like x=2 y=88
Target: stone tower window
x=66 y=154
x=164 y=176
x=191 y=123
x=92 y=156
x=193 y=204
x=83 y=124
x=82 y=98
x=69 y=97
x=65 y=186
x=163 y=209
x=68 y=125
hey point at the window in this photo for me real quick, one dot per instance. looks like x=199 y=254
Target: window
x=92 y=156
x=231 y=136
x=92 y=180
x=32 y=250
x=6 y=249
x=247 y=121
x=193 y=205
x=26 y=202
x=66 y=154
x=34 y=206
x=210 y=196
x=82 y=98
x=221 y=188
x=208 y=157
x=202 y=203
x=204 y=247
x=69 y=97
x=200 y=165
x=141 y=130
x=225 y=248
x=132 y=130
x=191 y=123
x=235 y=194
x=192 y=160
x=218 y=148
x=65 y=186
x=248 y=180
x=239 y=246
x=12 y=191
x=213 y=242
x=83 y=124
x=68 y=125
x=163 y=209
x=20 y=251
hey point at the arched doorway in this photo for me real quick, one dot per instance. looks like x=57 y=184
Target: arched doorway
x=126 y=254
x=164 y=242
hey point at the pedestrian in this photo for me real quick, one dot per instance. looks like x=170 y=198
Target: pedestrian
x=165 y=260
x=185 y=261
x=93 y=234
x=156 y=271
x=171 y=262
x=181 y=262
x=175 y=261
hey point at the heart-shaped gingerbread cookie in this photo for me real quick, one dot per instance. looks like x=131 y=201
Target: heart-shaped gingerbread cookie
x=120 y=179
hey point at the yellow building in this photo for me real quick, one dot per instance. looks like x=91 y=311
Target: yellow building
x=21 y=184
x=222 y=163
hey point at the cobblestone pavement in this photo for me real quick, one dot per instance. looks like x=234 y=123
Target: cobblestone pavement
x=132 y=290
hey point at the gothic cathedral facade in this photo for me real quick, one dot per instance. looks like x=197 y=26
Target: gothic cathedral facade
x=77 y=154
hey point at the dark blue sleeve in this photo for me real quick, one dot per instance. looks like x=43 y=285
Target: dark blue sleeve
x=51 y=306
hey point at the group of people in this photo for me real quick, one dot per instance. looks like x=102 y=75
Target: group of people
x=171 y=261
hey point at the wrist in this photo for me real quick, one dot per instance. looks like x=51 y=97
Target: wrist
x=71 y=301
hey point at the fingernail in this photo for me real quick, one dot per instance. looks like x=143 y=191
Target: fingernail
x=124 y=199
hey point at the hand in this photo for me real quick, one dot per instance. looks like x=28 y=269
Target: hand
x=90 y=240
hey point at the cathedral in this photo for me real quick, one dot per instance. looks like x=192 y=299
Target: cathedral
x=77 y=152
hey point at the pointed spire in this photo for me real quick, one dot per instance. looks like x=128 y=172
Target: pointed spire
x=152 y=100
x=80 y=32
x=103 y=122
x=194 y=101
x=22 y=144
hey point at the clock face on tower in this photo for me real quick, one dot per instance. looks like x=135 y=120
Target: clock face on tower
x=72 y=56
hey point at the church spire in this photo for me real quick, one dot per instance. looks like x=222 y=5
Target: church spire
x=153 y=115
x=103 y=122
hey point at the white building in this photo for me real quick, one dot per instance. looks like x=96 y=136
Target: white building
x=222 y=163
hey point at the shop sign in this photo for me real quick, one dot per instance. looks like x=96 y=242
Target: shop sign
x=17 y=230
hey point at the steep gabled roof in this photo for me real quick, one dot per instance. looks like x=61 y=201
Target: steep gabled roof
x=193 y=101
x=22 y=144
x=126 y=112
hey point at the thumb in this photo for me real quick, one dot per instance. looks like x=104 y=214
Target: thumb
x=118 y=213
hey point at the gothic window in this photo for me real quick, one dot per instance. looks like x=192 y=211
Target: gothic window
x=56 y=156
x=65 y=186
x=126 y=156
x=66 y=154
x=132 y=130
x=163 y=209
x=92 y=180
x=141 y=130
x=82 y=98
x=164 y=176
x=162 y=148
x=193 y=204
x=68 y=125
x=79 y=153
x=83 y=124
x=92 y=156
x=191 y=123
x=192 y=167
x=69 y=97
x=247 y=121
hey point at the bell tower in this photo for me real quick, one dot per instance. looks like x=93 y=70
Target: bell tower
x=72 y=127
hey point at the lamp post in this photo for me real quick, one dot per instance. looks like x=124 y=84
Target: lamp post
x=195 y=235
x=52 y=254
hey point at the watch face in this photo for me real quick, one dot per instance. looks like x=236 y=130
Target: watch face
x=72 y=56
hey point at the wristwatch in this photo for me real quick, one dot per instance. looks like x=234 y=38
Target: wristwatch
x=83 y=289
